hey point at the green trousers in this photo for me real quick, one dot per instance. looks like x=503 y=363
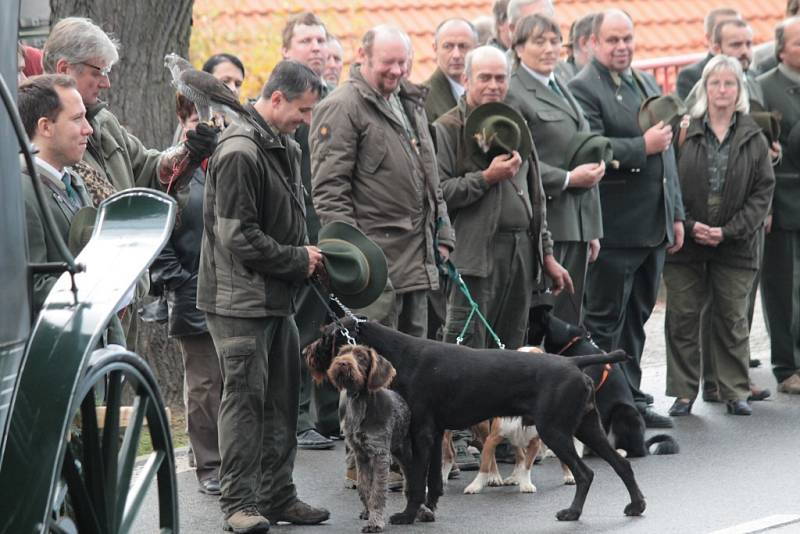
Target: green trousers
x=780 y=293
x=260 y=363
x=503 y=296
x=690 y=287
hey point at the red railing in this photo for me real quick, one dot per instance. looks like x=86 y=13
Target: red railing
x=665 y=69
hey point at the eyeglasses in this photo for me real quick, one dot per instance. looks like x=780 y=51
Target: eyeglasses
x=103 y=72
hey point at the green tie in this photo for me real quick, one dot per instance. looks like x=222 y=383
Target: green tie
x=628 y=79
x=67 y=179
x=554 y=87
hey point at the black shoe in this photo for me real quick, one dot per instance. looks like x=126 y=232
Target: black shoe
x=313 y=440
x=738 y=407
x=680 y=408
x=655 y=420
x=455 y=472
x=757 y=394
x=648 y=399
x=299 y=513
x=209 y=486
x=755 y=362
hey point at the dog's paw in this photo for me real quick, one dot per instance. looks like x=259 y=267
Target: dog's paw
x=372 y=528
x=495 y=480
x=527 y=487
x=569 y=480
x=425 y=515
x=568 y=514
x=402 y=518
x=511 y=481
x=363 y=515
x=473 y=488
x=635 y=508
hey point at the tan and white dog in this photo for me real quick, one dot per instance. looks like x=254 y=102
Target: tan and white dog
x=526 y=443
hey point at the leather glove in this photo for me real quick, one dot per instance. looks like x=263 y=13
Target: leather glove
x=201 y=142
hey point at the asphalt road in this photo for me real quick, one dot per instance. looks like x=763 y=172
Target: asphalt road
x=733 y=475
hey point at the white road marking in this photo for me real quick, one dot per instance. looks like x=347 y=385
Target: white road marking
x=761 y=525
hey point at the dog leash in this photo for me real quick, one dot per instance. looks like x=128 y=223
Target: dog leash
x=606 y=368
x=454 y=275
x=335 y=318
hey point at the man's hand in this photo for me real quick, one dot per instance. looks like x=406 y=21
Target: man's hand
x=775 y=152
x=768 y=223
x=444 y=253
x=314 y=259
x=558 y=274
x=502 y=167
x=657 y=138
x=594 y=250
x=706 y=235
x=201 y=142
x=586 y=175
x=678 y=232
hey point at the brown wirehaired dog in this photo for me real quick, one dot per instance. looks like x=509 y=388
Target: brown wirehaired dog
x=375 y=423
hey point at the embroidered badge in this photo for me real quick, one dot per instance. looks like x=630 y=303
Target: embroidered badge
x=324 y=132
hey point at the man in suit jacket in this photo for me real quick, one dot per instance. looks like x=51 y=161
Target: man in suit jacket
x=688 y=76
x=642 y=207
x=453 y=40
x=52 y=111
x=554 y=117
x=780 y=285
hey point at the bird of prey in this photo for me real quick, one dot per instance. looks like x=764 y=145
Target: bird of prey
x=209 y=95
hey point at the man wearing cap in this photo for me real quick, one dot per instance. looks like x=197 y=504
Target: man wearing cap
x=453 y=40
x=641 y=202
x=373 y=165
x=780 y=285
x=556 y=120
x=690 y=75
x=254 y=257
x=54 y=119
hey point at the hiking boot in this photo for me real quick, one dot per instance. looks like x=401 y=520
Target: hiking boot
x=246 y=521
x=299 y=513
x=395 y=481
x=465 y=460
x=351 y=479
x=312 y=440
x=455 y=472
x=791 y=385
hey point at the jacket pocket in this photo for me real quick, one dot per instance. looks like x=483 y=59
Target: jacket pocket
x=550 y=115
x=373 y=149
x=237 y=355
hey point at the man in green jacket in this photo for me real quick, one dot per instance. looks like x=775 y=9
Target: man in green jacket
x=54 y=118
x=453 y=40
x=373 y=165
x=254 y=258
x=780 y=283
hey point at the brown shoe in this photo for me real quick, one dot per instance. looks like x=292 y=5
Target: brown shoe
x=246 y=521
x=299 y=513
x=791 y=385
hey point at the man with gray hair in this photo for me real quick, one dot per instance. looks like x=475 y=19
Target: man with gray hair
x=780 y=284
x=373 y=165
x=580 y=35
x=114 y=158
x=689 y=76
x=453 y=40
x=522 y=8
x=253 y=259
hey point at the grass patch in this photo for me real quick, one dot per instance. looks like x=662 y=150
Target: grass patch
x=177 y=424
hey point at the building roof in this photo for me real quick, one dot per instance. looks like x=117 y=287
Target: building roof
x=251 y=28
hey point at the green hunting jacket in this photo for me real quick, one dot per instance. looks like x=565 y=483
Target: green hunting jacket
x=252 y=259
x=440 y=97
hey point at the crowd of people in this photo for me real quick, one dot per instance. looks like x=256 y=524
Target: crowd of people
x=430 y=172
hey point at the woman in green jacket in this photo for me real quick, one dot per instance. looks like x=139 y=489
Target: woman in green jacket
x=727 y=184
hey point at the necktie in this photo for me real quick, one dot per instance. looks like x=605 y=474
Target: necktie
x=630 y=82
x=554 y=87
x=67 y=180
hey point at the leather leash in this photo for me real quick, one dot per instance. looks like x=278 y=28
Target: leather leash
x=606 y=368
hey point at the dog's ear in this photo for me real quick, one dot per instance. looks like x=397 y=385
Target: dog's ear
x=381 y=372
x=315 y=366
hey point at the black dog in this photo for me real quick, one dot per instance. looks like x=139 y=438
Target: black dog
x=449 y=386
x=621 y=419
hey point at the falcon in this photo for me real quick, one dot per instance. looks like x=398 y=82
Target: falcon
x=209 y=95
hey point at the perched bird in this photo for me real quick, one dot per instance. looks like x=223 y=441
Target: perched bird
x=209 y=95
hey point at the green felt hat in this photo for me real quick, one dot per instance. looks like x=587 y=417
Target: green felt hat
x=80 y=229
x=493 y=129
x=768 y=121
x=667 y=108
x=587 y=147
x=356 y=266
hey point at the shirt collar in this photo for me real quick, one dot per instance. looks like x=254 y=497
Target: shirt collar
x=456 y=88
x=51 y=172
x=545 y=80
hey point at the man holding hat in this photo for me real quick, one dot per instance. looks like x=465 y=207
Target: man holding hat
x=491 y=182
x=780 y=285
x=373 y=165
x=254 y=258
x=641 y=201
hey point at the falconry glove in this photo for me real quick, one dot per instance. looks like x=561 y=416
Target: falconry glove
x=201 y=142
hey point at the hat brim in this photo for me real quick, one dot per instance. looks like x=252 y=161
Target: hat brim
x=648 y=118
x=338 y=231
x=582 y=145
x=473 y=124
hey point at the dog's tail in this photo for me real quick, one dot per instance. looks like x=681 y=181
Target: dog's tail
x=665 y=444
x=592 y=359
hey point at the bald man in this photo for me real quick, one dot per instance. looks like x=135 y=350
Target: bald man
x=453 y=40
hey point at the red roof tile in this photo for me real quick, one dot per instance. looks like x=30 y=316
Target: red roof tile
x=251 y=28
